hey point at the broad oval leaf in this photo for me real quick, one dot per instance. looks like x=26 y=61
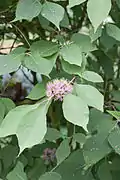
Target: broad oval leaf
x=76 y=110
x=37 y=92
x=92 y=76
x=27 y=122
x=72 y=54
x=83 y=41
x=75 y=2
x=39 y=64
x=63 y=151
x=28 y=9
x=53 y=12
x=11 y=62
x=50 y=176
x=44 y=48
x=98 y=16
x=90 y=95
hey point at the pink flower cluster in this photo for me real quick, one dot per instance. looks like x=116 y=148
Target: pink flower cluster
x=57 y=89
x=49 y=155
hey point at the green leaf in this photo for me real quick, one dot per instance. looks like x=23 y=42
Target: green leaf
x=98 y=16
x=26 y=119
x=28 y=9
x=95 y=149
x=76 y=110
x=11 y=62
x=53 y=12
x=17 y=173
x=50 y=176
x=75 y=2
x=71 y=168
x=44 y=48
x=84 y=42
x=65 y=21
x=80 y=138
x=52 y=134
x=8 y=104
x=63 y=151
x=95 y=35
x=37 y=92
x=92 y=76
x=115 y=114
x=71 y=68
x=72 y=54
x=114 y=140
x=39 y=64
x=113 y=31
x=100 y=122
x=90 y=95
x=2 y=111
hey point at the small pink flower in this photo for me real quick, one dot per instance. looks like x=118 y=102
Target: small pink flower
x=57 y=89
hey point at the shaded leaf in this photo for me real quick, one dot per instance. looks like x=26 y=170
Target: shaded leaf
x=114 y=140
x=17 y=173
x=63 y=151
x=50 y=176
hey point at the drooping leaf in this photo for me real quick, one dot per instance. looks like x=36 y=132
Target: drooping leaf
x=17 y=173
x=52 y=134
x=11 y=62
x=90 y=95
x=92 y=76
x=37 y=92
x=76 y=110
x=24 y=120
x=98 y=16
x=75 y=2
x=113 y=31
x=63 y=151
x=53 y=12
x=28 y=9
x=83 y=41
x=72 y=54
x=50 y=176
